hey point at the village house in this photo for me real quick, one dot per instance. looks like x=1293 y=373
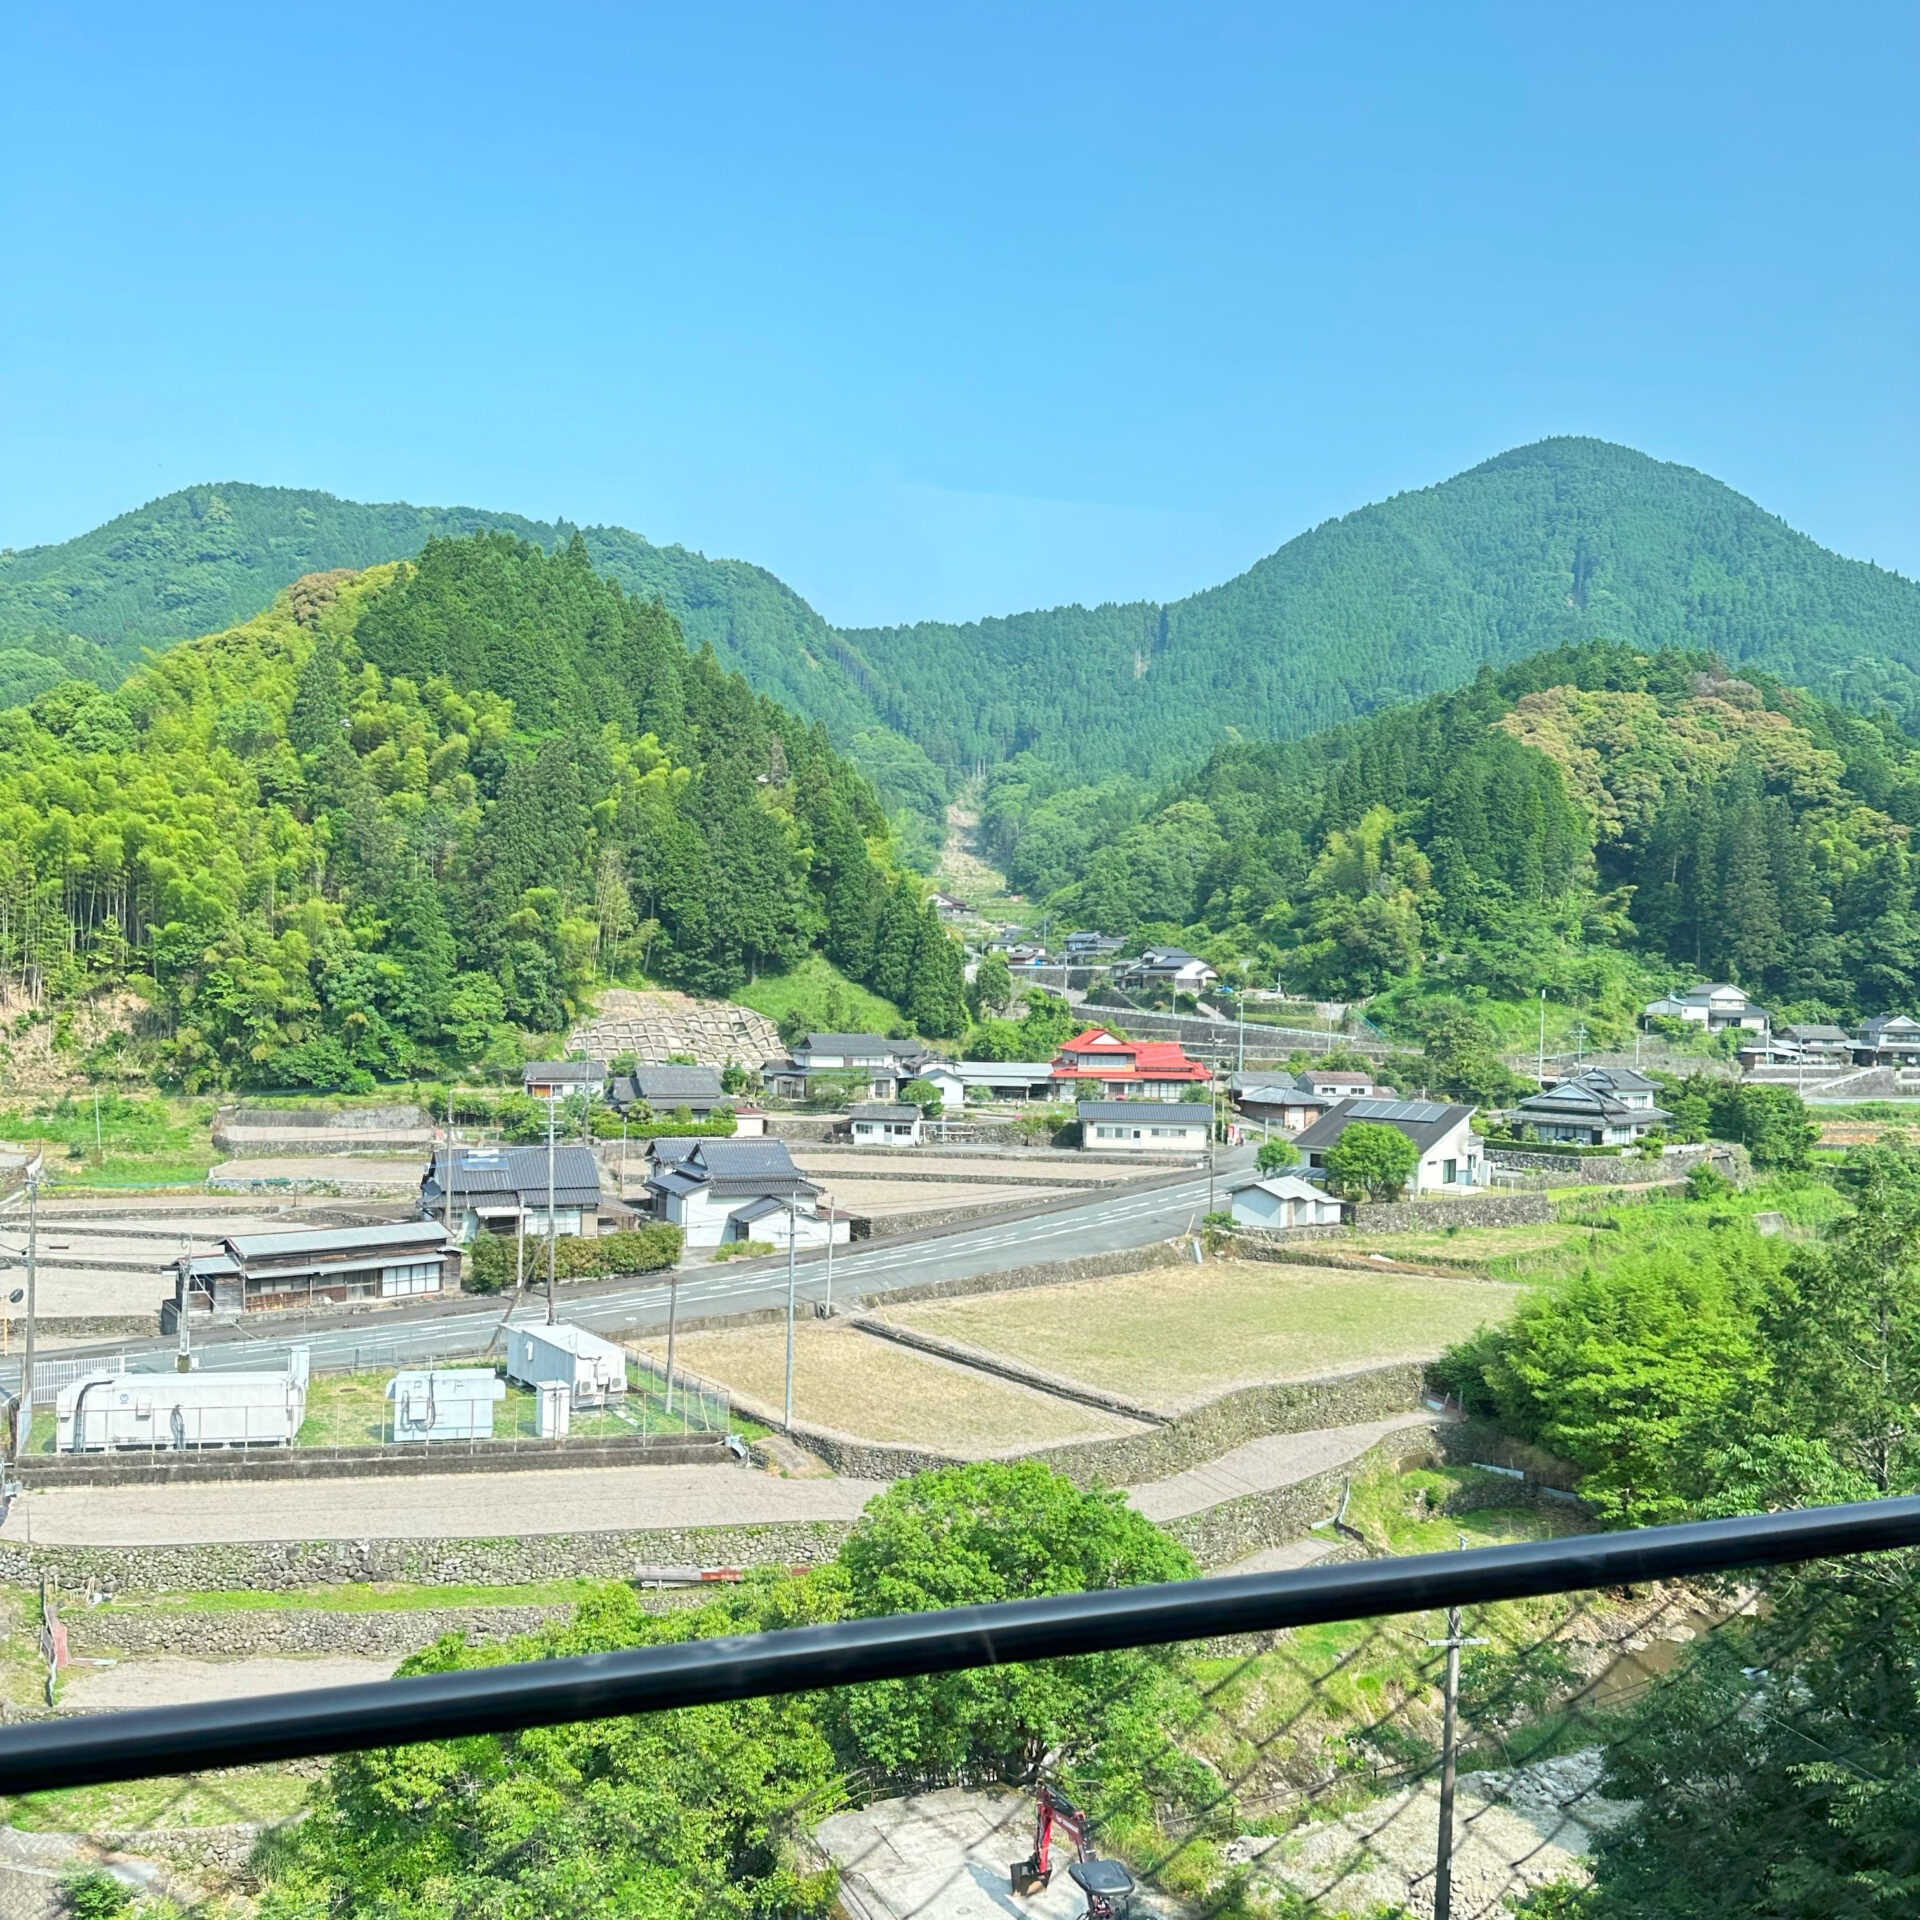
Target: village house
x=887 y=1065
x=1450 y=1158
x=666 y=1089
x=1142 y=1126
x=1713 y=1005
x=1276 y=1100
x=1280 y=1200
x=1172 y=967
x=1602 y=1107
x=557 y=1078
x=504 y=1190
x=885 y=1124
x=1087 y=947
x=1887 y=1040
x=991 y=1080
x=947 y=905
x=1097 y=1065
x=328 y=1266
x=718 y=1191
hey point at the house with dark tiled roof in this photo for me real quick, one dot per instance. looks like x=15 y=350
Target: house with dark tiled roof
x=1602 y=1107
x=716 y=1191
x=1450 y=1151
x=666 y=1089
x=504 y=1190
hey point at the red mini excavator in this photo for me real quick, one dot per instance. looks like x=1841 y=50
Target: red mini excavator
x=1106 y=1883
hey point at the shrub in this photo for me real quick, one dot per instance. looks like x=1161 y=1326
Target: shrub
x=489 y=1260
x=744 y=1250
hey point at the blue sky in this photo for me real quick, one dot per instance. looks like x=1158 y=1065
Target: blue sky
x=955 y=311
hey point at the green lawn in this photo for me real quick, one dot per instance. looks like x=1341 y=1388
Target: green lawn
x=132 y=1806
x=808 y=988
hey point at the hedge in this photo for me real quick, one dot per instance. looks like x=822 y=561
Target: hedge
x=489 y=1260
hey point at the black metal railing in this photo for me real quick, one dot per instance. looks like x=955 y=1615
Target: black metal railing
x=501 y=1699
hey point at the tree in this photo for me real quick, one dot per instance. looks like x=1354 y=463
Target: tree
x=924 y=1095
x=1277 y=1155
x=936 y=992
x=1371 y=1161
x=991 y=986
x=659 y=1814
x=973 y=1535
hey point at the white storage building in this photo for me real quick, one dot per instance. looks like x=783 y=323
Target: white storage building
x=445 y=1403
x=592 y=1369
x=175 y=1411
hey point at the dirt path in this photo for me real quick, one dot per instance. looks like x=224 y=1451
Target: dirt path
x=170 y=1681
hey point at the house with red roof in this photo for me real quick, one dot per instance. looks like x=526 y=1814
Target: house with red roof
x=1097 y=1065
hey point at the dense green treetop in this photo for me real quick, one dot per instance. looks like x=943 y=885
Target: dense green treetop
x=406 y=816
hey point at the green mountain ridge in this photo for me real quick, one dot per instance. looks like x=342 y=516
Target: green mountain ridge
x=1552 y=544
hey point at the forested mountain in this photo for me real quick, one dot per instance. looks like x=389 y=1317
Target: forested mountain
x=1551 y=544
x=409 y=814
x=1571 y=822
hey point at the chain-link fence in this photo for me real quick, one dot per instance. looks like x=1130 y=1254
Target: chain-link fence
x=1677 y=1739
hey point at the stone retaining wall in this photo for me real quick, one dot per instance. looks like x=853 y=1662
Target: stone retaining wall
x=279 y=1565
x=1045 y=1273
x=1600 y=1169
x=168 y=1468
x=230 y=1633
x=1189 y=1438
x=1219 y=1536
x=1434 y=1216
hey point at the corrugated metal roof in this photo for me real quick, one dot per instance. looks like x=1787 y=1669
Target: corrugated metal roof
x=323 y=1240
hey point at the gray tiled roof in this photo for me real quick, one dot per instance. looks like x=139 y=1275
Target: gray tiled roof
x=519 y=1172
x=558 y=1072
x=669 y=1084
x=884 y=1110
x=737 y=1158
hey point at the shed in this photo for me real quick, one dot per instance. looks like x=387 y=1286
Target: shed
x=445 y=1403
x=885 y=1124
x=1283 y=1200
x=592 y=1369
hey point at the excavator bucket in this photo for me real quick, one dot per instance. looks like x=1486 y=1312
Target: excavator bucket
x=1027 y=1877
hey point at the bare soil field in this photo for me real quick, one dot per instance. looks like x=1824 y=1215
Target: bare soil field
x=853 y=1383
x=1175 y=1334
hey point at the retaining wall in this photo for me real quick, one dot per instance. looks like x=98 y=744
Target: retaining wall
x=1045 y=1273
x=1599 y=1170
x=239 y=1631
x=278 y=1565
x=1188 y=1438
x=167 y=1468
x=1434 y=1216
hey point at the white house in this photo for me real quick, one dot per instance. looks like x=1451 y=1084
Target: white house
x=885 y=1124
x=992 y=1080
x=1602 y=1107
x=1143 y=1126
x=1713 y=1005
x=1450 y=1151
x=1283 y=1200
x=720 y=1190
x=1171 y=967
x=887 y=1064
x=1888 y=1039
x=539 y=1078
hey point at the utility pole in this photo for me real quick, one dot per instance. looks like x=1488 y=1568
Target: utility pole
x=23 y=1430
x=99 y=1151
x=829 y=1255
x=1443 y=1860
x=449 y=1196
x=1542 y=1075
x=552 y=1223
x=673 y=1315
x=1213 y=1127
x=790 y=1220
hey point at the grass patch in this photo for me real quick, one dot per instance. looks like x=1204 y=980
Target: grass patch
x=138 y=1806
x=857 y=1384
x=363 y=1597
x=830 y=1002
x=1176 y=1333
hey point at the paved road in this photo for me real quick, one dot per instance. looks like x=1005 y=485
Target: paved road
x=1057 y=1230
